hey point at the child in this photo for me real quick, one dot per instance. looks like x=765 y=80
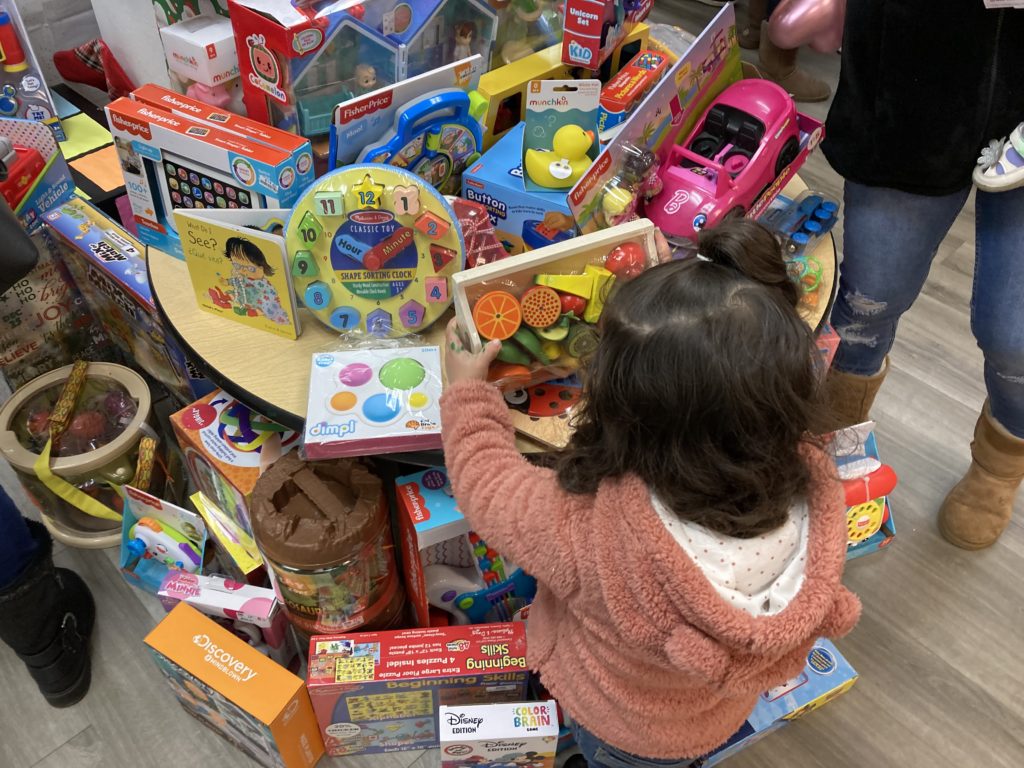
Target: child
x=252 y=292
x=689 y=543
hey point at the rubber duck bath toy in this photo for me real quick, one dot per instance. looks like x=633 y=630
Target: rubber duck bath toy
x=564 y=164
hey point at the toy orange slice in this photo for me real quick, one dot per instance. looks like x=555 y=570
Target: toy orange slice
x=541 y=306
x=497 y=315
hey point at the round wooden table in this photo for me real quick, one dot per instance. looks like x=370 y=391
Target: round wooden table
x=271 y=374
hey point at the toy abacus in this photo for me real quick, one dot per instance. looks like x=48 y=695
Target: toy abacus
x=373 y=247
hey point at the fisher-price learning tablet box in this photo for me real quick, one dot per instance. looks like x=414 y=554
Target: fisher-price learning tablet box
x=491 y=735
x=380 y=691
x=371 y=401
x=170 y=161
x=109 y=268
x=826 y=675
x=524 y=220
x=236 y=691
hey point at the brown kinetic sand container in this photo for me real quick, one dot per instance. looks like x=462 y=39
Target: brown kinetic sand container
x=323 y=529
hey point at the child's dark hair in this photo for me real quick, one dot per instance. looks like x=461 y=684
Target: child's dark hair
x=704 y=384
x=250 y=251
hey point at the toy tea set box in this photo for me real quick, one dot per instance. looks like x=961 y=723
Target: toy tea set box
x=523 y=220
x=236 y=691
x=110 y=270
x=380 y=691
x=491 y=735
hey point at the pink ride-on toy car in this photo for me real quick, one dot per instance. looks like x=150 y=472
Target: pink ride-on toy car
x=744 y=140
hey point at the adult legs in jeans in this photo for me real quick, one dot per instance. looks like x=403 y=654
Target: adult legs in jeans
x=600 y=754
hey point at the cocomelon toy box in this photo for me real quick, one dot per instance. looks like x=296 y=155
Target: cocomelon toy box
x=447 y=566
x=299 y=60
x=523 y=219
x=380 y=691
x=110 y=270
x=520 y=735
x=170 y=161
x=826 y=676
x=236 y=691
x=227 y=446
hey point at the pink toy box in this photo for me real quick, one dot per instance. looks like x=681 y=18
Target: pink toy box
x=594 y=27
x=380 y=691
x=299 y=61
x=170 y=162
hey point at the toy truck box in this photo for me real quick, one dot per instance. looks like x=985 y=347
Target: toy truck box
x=493 y=735
x=380 y=691
x=524 y=220
x=110 y=270
x=236 y=691
x=170 y=161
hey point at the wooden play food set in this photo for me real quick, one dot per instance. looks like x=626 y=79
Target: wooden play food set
x=544 y=305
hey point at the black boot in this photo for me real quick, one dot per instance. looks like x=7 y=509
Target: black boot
x=46 y=617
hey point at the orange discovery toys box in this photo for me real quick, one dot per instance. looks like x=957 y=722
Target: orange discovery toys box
x=380 y=691
x=235 y=690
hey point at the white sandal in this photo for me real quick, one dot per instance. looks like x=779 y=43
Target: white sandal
x=1001 y=164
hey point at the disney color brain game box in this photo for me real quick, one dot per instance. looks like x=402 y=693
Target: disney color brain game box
x=380 y=691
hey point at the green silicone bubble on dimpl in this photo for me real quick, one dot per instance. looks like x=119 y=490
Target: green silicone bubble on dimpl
x=403 y=373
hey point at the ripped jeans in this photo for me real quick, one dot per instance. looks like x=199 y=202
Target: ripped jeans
x=890 y=239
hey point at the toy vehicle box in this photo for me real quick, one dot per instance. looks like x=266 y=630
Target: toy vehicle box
x=227 y=447
x=38 y=178
x=108 y=266
x=235 y=690
x=170 y=161
x=379 y=691
x=826 y=675
x=492 y=735
x=627 y=88
x=268 y=136
x=523 y=220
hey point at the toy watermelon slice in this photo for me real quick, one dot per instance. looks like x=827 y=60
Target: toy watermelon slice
x=497 y=315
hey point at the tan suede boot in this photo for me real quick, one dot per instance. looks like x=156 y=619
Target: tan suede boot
x=850 y=396
x=979 y=507
x=780 y=66
x=749 y=27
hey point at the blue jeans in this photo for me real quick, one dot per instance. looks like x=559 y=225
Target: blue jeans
x=600 y=754
x=17 y=547
x=889 y=241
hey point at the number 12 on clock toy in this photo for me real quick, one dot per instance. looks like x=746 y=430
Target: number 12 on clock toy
x=373 y=247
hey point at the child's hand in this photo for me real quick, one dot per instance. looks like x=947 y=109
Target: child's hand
x=662 y=246
x=461 y=363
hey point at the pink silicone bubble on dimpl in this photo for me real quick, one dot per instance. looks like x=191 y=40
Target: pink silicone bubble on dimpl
x=355 y=374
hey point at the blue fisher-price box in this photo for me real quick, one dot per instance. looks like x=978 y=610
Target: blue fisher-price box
x=524 y=220
x=110 y=270
x=825 y=676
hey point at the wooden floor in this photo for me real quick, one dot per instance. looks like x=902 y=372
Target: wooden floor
x=939 y=649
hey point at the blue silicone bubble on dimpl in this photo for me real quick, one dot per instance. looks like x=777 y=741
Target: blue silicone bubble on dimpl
x=381 y=408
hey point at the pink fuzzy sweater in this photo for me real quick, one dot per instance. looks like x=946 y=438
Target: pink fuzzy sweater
x=626 y=632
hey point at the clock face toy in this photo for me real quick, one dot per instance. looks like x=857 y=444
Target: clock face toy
x=373 y=247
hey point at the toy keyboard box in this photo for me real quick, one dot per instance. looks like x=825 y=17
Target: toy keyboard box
x=370 y=401
x=170 y=161
x=227 y=446
x=236 y=691
x=524 y=220
x=110 y=270
x=825 y=676
x=380 y=691
x=492 y=735
x=298 y=147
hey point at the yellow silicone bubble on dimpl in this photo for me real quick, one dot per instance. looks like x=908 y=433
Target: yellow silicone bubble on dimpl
x=343 y=401
x=418 y=400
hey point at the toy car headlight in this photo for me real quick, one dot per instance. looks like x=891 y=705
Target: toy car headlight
x=699 y=221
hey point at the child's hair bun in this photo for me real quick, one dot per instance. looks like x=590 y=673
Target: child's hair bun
x=752 y=249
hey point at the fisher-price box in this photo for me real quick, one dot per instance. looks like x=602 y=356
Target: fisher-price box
x=227 y=446
x=380 y=691
x=236 y=691
x=492 y=735
x=170 y=161
x=110 y=270
x=524 y=220
x=825 y=676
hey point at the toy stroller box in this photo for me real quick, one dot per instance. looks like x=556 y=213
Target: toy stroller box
x=380 y=691
x=170 y=162
x=492 y=735
x=524 y=220
x=235 y=690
